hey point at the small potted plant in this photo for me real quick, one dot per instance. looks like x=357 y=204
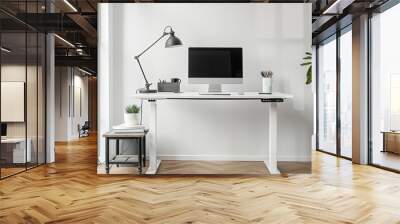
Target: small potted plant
x=131 y=116
x=266 y=82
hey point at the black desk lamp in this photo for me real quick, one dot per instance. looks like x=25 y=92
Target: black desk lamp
x=172 y=41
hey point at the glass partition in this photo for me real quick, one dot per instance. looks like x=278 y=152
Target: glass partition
x=22 y=63
x=14 y=153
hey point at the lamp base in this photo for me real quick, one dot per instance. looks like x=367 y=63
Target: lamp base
x=147 y=90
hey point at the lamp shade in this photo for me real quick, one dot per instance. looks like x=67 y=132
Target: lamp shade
x=173 y=41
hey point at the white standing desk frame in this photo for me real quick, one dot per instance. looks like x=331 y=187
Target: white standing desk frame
x=271 y=100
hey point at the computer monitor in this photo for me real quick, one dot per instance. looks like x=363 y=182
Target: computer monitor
x=3 y=129
x=215 y=66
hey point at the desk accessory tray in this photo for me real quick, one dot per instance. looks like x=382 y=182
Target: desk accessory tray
x=168 y=87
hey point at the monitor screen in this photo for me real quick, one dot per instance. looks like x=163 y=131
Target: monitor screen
x=215 y=62
x=3 y=129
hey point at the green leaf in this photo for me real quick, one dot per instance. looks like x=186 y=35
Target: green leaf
x=132 y=109
x=309 y=76
x=308 y=53
x=306 y=63
x=307 y=57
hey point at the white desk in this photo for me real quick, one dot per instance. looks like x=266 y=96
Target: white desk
x=19 y=155
x=270 y=99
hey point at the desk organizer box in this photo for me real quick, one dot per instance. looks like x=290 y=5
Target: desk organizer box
x=168 y=87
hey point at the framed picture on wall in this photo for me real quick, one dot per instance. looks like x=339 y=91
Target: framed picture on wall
x=12 y=101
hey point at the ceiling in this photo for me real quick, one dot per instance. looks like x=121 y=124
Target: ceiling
x=75 y=21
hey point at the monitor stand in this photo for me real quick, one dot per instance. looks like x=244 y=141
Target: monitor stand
x=215 y=89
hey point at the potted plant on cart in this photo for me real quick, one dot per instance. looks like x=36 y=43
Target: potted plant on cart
x=131 y=116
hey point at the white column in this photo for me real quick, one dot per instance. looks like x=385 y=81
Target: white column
x=152 y=136
x=104 y=91
x=271 y=162
x=50 y=99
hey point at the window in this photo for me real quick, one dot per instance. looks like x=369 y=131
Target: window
x=394 y=101
x=346 y=94
x=327 y=96
x=334 y=60
x=385 y=89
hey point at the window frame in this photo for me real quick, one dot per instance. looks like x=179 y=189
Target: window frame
x=334 y=37
x=380 y=9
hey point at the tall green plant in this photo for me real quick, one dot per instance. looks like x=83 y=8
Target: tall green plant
x=307 y=61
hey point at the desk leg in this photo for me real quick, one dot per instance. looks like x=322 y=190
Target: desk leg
x=117 y=148
x=144 y=151
x=154 y=163
x=107 y=156
x=271 y=161
x=140 y=150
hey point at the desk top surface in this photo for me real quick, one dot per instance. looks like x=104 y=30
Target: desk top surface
x=113 y=134
x=391 y=132
x=13 y=140
x=196 y=95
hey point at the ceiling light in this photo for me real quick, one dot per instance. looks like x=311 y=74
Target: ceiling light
x=70 y=5
x=338 y=6
x=80 y=51
x=5 y=50
x=64 y=40
x=84 y=71
x=326 y=11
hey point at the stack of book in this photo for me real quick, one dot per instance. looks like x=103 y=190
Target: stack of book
x=122 y=128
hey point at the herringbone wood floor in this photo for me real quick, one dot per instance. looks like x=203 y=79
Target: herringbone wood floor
x=70 y=191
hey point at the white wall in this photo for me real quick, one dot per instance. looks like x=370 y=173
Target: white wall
x=105 y=83
x=81 y=114
x=273 y=36
x=61 y=103
x=68 y=81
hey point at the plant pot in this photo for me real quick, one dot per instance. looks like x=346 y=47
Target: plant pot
x=266 y=85
x=131 y=119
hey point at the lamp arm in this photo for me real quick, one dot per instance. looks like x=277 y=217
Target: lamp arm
x=151 y=45
x=165 y=33
x=144 y=76
x=140 y=65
